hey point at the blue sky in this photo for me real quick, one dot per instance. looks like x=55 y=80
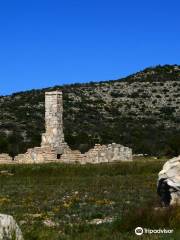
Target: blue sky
x=53 y=42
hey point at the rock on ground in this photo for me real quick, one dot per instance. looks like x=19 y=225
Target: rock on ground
x=9 y=229
x=169 y=182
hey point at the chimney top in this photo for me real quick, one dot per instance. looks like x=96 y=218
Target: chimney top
x=54 y=92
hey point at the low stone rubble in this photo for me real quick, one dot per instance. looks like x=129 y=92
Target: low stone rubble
x=36 y=155
x=5 y=158
x=6 y=173
x=98 y=221
x=99 y=154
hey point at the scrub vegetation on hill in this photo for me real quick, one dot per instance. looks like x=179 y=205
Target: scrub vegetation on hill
x=141 y=111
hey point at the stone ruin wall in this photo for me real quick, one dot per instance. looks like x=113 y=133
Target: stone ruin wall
x=55 y=149
x=98 y=154
x=36 y=155
x=5 y=159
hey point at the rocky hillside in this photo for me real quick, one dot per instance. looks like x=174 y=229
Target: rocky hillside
x=141 y=111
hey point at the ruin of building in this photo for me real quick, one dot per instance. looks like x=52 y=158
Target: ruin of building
x=54 y=148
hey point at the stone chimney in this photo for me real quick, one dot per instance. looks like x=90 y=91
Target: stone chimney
x=54 y=136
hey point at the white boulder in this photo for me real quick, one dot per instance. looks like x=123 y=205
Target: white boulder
x=9 y=229
x=169 y=182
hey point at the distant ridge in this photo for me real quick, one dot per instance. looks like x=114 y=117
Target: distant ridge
x=141 y=111
x=157 y=73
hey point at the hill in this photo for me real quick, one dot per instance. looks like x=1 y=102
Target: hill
x=141 y=111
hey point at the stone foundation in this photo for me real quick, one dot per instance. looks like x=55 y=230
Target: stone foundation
x=36 y=155
x=5 y=158
x=110 y=153
x=98 y=154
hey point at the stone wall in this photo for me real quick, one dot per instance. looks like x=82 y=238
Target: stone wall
x=98 y=154
x=37 y=155
x=5 y=158
x=110 y=153
x=72 y=156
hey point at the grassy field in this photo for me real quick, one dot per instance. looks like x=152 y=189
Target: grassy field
x=57 y=201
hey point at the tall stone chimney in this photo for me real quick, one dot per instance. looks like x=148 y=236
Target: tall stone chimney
x=54 y=136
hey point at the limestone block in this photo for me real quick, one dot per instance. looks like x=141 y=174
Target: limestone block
x=169 y=182
x=9 y=229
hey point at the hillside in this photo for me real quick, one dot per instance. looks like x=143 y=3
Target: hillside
x=141 y=111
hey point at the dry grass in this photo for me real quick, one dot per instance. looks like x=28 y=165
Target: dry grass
x=57 y=201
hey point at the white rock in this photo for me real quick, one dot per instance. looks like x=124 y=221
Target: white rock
x=50 y=223
x=98 y=221
x=9 y=229
x=169 y=182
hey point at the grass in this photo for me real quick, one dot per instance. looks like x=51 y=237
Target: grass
x=58 y=201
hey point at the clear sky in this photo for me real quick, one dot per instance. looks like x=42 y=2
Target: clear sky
x=53 y=42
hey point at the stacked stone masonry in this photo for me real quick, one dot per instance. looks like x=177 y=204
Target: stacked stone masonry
x=5 y=158
x=55 y=149
x=54 y=136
